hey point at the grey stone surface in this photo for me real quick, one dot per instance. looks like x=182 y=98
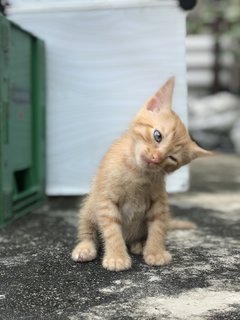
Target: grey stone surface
x=235 y=135
x=213 y=120
x=38 y=280
x=217 y=112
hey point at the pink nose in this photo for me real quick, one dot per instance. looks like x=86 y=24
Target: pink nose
x=156 y=158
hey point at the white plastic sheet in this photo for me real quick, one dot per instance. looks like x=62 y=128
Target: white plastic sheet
x=102 y=65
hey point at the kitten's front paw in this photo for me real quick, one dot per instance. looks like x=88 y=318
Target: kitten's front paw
x=117 y=263
x=157 y=259
x=84 y=251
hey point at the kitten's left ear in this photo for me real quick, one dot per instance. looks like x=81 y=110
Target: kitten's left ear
x=163 y=97
x=198 y=152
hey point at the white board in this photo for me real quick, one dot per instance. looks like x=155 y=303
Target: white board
x=102 y=64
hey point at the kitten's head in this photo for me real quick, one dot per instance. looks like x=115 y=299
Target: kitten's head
x=161 y=141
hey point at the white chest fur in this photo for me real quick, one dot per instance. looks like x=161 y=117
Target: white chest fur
x=133 y=209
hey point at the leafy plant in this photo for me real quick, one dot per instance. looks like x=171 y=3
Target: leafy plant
x=206 y=13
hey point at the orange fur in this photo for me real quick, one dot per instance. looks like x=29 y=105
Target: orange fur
x=128 y=200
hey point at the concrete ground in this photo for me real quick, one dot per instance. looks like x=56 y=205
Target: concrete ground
x=38 y=280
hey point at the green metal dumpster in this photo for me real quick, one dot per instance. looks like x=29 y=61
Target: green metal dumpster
x=22 y=121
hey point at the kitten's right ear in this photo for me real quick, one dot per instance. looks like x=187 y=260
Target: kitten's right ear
x=163 y=97
x=198 y=152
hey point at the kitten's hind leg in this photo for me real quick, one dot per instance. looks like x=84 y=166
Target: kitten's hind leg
x=175 y=224
x=136 y=247
x=86 y=249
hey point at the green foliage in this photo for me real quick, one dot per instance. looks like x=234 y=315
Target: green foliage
x=208 y=13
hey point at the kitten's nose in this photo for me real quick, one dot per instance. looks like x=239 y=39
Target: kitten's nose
x=156 y=158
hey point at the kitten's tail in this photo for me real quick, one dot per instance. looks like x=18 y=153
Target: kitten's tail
x=175 y=224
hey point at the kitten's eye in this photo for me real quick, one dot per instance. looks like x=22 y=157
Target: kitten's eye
x=173 y=159
x=157 y=136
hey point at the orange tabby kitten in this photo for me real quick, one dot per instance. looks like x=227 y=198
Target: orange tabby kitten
x=128 y=202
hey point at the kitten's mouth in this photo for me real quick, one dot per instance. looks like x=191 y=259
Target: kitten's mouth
x=150 y=163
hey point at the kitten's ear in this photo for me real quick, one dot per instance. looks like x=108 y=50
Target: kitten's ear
x=163 y=97
x=198 y=152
